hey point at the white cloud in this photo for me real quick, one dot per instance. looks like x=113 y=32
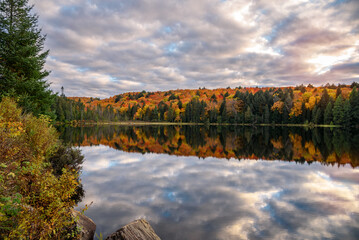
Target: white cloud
x=154 y=45
x=219 y=199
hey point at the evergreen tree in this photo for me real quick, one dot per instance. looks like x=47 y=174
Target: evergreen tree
x=318 y=116
x=339 y=92
x=22 y=58
x=214 y=98
x=171 y=115
x=266 y=114
x=324 y=100
x=347 y=114
x=328 y=113
x=285 y=115
x=180 y=104
x=305 y=114
x=223 y=111
x=248 y=115
x=314 y=112
x=203 y=116
x=213 y=114
x=155 y=114
x=338 y=113
x=354 y=103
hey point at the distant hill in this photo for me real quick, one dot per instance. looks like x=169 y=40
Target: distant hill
x=151 y=99
x=297 y=105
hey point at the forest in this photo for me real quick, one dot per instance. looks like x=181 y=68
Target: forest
x=324 y=105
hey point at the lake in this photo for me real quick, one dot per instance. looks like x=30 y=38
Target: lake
x=222 y=182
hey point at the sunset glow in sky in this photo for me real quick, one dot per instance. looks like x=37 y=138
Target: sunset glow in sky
x=100 y=48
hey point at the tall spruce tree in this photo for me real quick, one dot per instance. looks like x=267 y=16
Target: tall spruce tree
x=354 y=102
x=22 y=58
x=338 y=111
x=347 y=113
x=328 y=113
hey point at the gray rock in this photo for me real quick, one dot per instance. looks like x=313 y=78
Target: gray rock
x=136 y=230
x=86 y=225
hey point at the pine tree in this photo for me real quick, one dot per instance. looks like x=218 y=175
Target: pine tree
x=248 y=116
x=314 y=113
x=347 y=114
x=22 y=58
x=339 y=92
x=266 y=114
x=171 y=115
x=324 y=100
x=354 y=102
x=328 y=113
x=155 y=114
x=223 y=111
x=338 y=113
x=318 y=116
x=180 y=105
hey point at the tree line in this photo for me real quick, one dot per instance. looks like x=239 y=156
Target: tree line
x=298 y=105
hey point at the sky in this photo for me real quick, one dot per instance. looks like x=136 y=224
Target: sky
x=101 y=48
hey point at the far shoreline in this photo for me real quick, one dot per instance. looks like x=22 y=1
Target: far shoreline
x=143 y=123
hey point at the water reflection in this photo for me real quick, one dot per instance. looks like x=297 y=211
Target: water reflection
x=186 y=197
x=189 y=198
x=289 y=144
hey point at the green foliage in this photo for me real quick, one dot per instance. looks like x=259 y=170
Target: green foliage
x=248 y=115
x=214 y=98
x=324 y=100
x=68 y=110
x=298 y=105
x=195 y=111
x=347 y=114
x=34 y=203
x=67 y=157
x=354 y=103
x=118 y=98
x=338 y=111
x=318 y=115
x=354 y=84
x=328 y=114
x=22 y=58
x=266 y=114
x=99 y=237
x=171 y=115
x=172 y=97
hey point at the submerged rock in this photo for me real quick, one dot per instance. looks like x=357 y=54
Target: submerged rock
x=136 y=230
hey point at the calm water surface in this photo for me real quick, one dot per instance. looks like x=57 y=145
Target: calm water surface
x=222 y=183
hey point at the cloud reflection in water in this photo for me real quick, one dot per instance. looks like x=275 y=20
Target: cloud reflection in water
x=191 y=198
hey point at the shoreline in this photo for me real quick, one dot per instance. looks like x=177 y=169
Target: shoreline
x=142 y=123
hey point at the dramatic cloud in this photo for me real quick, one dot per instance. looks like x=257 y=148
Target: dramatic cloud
x=102 y=48
x=192 y=198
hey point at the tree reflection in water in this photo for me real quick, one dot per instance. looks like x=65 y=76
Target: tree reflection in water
x=184 y=197
x=328 y=146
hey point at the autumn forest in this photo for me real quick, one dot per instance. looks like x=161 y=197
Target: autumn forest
x=325 y=105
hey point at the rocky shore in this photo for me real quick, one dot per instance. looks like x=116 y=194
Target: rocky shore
x=137 y=230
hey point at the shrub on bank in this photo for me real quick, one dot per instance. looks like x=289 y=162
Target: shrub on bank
x=34 y=202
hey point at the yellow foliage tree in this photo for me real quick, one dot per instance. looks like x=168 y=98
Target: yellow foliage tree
x=34 y=203
x=296 y=109
x=311 y=102
x=278 y=105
